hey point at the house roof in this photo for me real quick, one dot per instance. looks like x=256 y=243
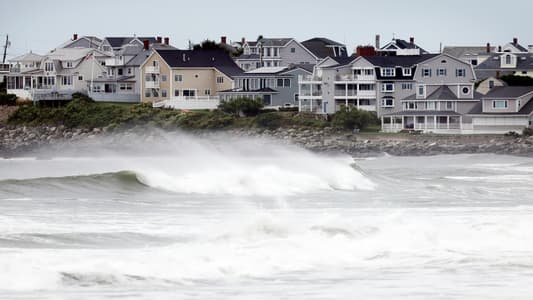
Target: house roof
x=523 y=62
x=442 y=93
x=118 y=42
x=423 y=113
x=30 y=56
x=216 y=58
x=249 y=57
x=461 y=51
x=258 y=91
x=399 y=61
x=275 y=42
x=323 y=47
x=71 y=54
x=509 y=92
x=95 y=41
x=403 y=44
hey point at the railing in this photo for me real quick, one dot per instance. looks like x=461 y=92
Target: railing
x=4 y=68
x=51 y=96
x=308 y=108
x=311 y=78
x=115 y=97
x=344 y=93
x=355 y=77
x=152 y=84
x=192 y=103
x=309 y=94
x=152 y=70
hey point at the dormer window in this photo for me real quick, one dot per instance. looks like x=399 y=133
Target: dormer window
x=49 y=67
x=508 y=59
x=69 y=64
x=407 y=71
x=388 y=72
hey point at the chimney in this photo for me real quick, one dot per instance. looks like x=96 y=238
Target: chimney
x=488 y=48
x=75 y=37
x=412 y=40
x=378 y=41
x=167 y=41
x=223 y=40
x=365 y=51
x=243 y=41
x=500 y=49
x=159 y=40
x=515 y=41
x=146 y=44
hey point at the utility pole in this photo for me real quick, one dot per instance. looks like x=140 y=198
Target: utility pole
x=5 y=49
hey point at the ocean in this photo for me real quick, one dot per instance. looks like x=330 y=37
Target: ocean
x=190 y=218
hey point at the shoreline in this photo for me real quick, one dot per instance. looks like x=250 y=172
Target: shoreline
x=23 y=141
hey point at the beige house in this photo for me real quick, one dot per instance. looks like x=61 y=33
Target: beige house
x=187 y=75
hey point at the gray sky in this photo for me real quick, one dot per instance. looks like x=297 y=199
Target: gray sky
x=40 y=25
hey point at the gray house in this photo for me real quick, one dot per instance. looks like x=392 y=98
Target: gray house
x=506 y=63
x=276 y=86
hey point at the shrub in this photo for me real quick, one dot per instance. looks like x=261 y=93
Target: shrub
x=241 y=106
x=8 y=99
x=353 y=119
x=272 y=120
x=309 y=120
x=527 y=131
x=289 y=109
x=515 y=80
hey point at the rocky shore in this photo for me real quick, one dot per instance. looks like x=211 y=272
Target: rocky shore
x=23 y=141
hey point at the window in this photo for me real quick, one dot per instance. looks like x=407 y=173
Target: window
x=268 y=52
x=268 y=64
x=460 y=73
x=387 y=87
x=499 y=104
x=257 y=65
x=426 y=72
x=293 y=50
x=125 y=87
x=407 y=71
x=80 y=78
x=189 y=93
x=369 y=72
x=120 y=72
x=296 y=97
x=287 y=82
x=508 y=59
x=474 y=62
x=147 y=93
x=276 y=52
x=465 y=90
x=421 y=91
x=431 y=106
x=49 y=66
x=220 y=79
x=280 y=82
x=207 y=92
x=66 y=80
x=388 y=72
x=164 y=93
x=69 y=64
x=407 y=86
x=176 y=93
x=163 y=77
x=387 y=102
x=441 y=72
x=411 y=105
x=367 y=87
x=449 y=105
x=155 y=63
x=178 y=77
x=129 y=70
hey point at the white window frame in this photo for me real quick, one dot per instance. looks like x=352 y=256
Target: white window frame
x=388 y=72
x=407 y=72
x=418 y=91
x=220 y=79
x=384 y=87
x=426 y=72
x=407 y=86
x=441 y=72
x=178 y=77
x=384 y=101
x=460 y=72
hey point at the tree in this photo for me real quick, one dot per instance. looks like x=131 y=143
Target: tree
x=353 y=119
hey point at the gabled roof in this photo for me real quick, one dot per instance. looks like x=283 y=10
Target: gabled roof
x=30 y=57
x=216 y=58
x=248 y=57
x=403 y=44
x=270 y=71
x=323 y=47
x=93 y=40
x=442 y=93
x=517 y=46
x=399 y=61
x=70 y=54
x=119 y=42
x=275 y=42
x=523 y=62
x=461 y=51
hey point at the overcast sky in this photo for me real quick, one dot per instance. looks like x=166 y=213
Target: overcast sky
x=42 y=25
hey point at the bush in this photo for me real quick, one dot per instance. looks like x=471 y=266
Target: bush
x=514 y=80
x=271 y=120
x=289 y=109
x=241 y=106
x=527 y=131
x=8 y=99
x=353 y=119
x=309 y=120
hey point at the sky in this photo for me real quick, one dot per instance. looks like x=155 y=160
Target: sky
x=40 y=26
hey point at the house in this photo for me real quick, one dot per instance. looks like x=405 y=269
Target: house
x=4 y=70
x=502 y=108
x=82 y=42
x=281 y=52
x=323 y=47
x=473 y=55
x=275 y=86
x=515 y=47
x=399 y=47
x=187 y=75
x=506 y=63
x=56 y=75
x=121 y=83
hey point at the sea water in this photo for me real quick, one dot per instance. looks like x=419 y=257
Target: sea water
x=189 y=218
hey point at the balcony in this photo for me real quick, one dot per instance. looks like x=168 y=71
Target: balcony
x=345 y=93
x=352 y=78
x=152 y=84
x=309 y=79
x=367 y=94
x=113 y=62
x=152 y=70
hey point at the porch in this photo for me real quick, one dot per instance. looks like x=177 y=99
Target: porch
x=438 y=122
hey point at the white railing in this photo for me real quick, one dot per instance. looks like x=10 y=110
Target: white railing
x=192 y=103
x=309 y=78
x=351 y=78
x=152 y=70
